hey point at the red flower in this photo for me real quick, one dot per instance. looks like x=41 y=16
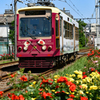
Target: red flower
x=21 y=97
x=44 y=81
x=70 y=99
x=83 y=73
x=63 y=91
x=84 y=76
x=49 y=94
x=23 y=78
x=92 y=69
x=83 y=98
x=80 y=86
x=98 y=72
x=40 y=89
x=72 y=87
x=72 y=96
x=48 y=81
x=62 y=79
x=9 y=95
x=12 y=75
x=44 y=95
x=1 y=93
x=57 y=86
x=58 y=92
x=69 y=83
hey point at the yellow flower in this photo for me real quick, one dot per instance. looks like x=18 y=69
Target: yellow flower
x=46 y=89
x=31 y=85
x=33 y=98
x=78 y=72
x=73 y=75
x=84 y=86
x=93 y=87
x=87 y=92
x=88 y=79
x=34 y=82
x=71 y=79
x=81 y=92
x=83 y=80
x=67 y=92
x=79 y=76
x=55 y=81
x=53 y=90
x=78 y=81
x=56 y=76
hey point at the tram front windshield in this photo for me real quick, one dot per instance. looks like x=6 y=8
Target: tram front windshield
x=38 y=27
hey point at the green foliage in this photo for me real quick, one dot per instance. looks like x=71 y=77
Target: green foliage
x=12 y=33
x=81 y=34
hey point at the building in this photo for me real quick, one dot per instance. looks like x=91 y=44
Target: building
x=5 y=26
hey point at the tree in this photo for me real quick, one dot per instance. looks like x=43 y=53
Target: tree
x=12 y=32
x=81 y=33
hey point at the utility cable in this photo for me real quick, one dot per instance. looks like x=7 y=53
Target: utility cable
x=76 y=8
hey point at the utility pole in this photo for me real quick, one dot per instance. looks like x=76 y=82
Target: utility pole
x=96 y=8
x=15 y=18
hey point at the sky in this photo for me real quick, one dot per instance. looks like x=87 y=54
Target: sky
x=78 y=8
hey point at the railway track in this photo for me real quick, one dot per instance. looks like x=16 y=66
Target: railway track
x=9 y=64
x=5 y=79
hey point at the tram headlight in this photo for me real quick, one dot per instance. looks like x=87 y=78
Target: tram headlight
x=49 y=48
x=44 y=48
x=25 y=48
x=19 y=48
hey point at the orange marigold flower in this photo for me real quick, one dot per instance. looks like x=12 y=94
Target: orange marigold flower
x=23 y=78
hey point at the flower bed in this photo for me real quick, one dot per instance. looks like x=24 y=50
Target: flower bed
x=7 y=56
x=81 y=85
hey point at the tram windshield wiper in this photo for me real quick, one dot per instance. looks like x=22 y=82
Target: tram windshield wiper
x=32 y=36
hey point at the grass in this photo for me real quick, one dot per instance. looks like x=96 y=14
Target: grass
x=78 y=65
x=83 y=48
x=6 y=61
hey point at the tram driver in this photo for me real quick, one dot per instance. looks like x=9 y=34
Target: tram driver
x=36 y=31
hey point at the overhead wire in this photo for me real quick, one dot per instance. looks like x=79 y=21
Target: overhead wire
x=74 y=9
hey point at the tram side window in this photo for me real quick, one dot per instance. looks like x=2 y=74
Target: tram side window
x=57 y=33
x=60 y=25
x=76 y=33
x=68 y=31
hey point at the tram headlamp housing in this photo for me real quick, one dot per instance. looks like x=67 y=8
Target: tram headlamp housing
x=25 y=48
x=44 y=48
x=49 y=48
x=19 y=48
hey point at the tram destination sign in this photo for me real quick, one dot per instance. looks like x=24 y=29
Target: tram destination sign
x=35 y=12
